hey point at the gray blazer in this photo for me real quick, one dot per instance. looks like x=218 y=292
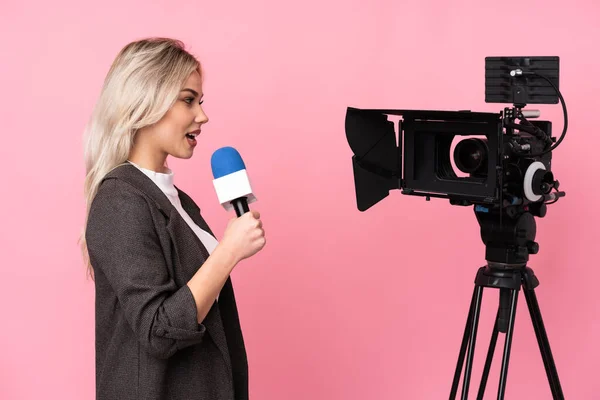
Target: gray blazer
x=149 y=344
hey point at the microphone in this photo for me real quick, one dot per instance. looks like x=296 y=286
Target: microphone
x=231 y=181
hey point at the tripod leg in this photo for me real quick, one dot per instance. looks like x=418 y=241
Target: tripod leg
x=463 y=347
x=472 y=337
x=542 y=338
x=488 y=359
x=507 y=343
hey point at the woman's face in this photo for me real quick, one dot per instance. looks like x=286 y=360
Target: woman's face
x=175 y=134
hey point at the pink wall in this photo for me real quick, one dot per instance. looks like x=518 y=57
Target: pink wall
x=340 y=304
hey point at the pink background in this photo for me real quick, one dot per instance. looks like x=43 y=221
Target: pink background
x=340 y=304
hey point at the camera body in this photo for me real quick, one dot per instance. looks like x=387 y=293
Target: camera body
x=471 y=158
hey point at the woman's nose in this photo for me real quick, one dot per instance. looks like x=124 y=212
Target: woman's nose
x=201 y=117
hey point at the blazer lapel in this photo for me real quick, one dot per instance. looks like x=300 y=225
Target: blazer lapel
x=140 y=181
x=193 y=210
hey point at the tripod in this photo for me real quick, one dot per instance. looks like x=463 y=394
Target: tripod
x=508 y=246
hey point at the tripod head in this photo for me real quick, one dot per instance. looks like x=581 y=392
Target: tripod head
x=508 y=240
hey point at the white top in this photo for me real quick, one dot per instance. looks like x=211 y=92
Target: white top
x=165 y=183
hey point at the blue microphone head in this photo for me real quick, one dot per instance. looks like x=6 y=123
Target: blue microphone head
x=225 y=161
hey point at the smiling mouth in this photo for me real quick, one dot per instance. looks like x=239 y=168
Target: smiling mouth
x=191 y=135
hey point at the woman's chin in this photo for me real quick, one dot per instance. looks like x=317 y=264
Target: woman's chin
x=184 y=156
x=184 y=153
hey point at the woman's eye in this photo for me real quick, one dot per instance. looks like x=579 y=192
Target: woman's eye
x=190 y=100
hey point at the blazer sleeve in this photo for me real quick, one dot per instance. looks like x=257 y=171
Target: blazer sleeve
x=123 y=244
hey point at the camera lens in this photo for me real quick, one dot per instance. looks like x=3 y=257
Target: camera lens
x=470 y=155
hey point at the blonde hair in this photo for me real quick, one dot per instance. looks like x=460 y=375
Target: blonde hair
x=142 y=84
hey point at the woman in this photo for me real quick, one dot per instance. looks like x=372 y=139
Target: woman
x=167 y=325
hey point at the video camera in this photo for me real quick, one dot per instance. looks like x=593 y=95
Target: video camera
x=502 y=163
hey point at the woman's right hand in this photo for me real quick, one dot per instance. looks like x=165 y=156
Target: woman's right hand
x=244 y=236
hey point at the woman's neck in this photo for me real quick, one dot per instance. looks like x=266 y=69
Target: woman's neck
x=148 y=160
